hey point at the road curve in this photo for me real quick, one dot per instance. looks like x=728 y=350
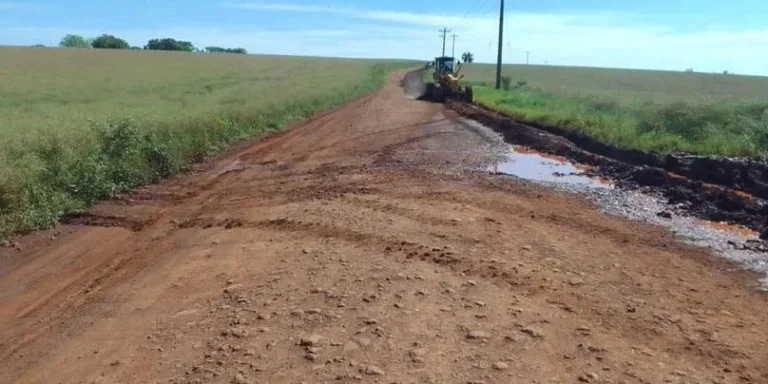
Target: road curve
x=360 y=246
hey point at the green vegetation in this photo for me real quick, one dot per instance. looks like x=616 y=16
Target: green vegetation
x=648 y=110
x=74 y=41
x=164 y=44
x=168 y=44
x=78 y=125
x=109 y=42
x=241 y=51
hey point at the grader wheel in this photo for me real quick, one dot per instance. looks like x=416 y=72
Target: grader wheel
x=430 y=92
x=469 y=95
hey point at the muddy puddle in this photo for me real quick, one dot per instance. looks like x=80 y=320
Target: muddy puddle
x=528 y=164
x=736 y=243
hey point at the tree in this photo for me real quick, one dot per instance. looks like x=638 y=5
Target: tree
x=241 y=51
x=110 y=42
x=169 y=44
x=74 y=41
x=468 y=57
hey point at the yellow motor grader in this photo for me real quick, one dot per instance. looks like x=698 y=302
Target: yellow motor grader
x=446 y=82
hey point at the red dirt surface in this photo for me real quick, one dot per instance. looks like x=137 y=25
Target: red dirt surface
x=354 y=248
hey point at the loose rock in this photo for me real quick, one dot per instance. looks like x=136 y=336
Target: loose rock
x=533 y=332
x=233 y=288
x=310 y=341
x=373 y=370
x=417 y=355
x=478 y=335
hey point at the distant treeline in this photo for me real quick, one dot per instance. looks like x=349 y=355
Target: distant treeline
x=165 y=44
x=225 y=50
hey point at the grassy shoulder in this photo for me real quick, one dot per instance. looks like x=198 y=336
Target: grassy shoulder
x=72 y=136
x=650 y=111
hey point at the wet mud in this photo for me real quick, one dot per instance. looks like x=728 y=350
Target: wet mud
x=690 y=190
x=530 y=165
x=725 y=220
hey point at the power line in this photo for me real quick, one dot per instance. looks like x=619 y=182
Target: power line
x=465 y=20
x=481 y=11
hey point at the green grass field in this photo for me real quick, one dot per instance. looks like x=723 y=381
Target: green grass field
x=77 y=125
x=648 y=110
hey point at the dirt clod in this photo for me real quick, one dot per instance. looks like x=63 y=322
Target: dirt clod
x=373 y=370
x=240 y=379
x=478 y=335
x=533 y=332
x=311 y=341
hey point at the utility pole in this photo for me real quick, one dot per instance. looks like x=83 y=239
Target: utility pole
x=501 y=42
x=453 y=47
x=444 y=31
x=527 y=57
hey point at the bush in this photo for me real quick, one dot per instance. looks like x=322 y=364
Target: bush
x=506 y=82
x=169 y=44
x=74 y=41
x=109 y=42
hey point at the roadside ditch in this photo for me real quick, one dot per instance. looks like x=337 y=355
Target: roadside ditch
x=717 y=203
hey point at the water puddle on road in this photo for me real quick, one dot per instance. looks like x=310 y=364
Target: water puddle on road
x=732 y=242
x=528 y=164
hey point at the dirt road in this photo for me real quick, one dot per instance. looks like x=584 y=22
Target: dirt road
x=358 y=248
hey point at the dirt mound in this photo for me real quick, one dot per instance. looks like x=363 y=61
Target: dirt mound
x=746 y=175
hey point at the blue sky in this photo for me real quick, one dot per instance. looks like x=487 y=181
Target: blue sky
x=706 y=35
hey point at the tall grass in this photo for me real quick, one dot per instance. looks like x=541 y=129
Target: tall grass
x=653 y=111
x=78 y=125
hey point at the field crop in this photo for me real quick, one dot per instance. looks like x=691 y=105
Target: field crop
x=653 y=111
x=77 y=125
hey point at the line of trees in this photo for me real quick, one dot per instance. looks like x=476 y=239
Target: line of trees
x=241 y=51
x=165 y=44
x=169 y=44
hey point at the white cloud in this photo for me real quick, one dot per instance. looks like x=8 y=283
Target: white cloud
x=598 y=39
x=378 y=15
